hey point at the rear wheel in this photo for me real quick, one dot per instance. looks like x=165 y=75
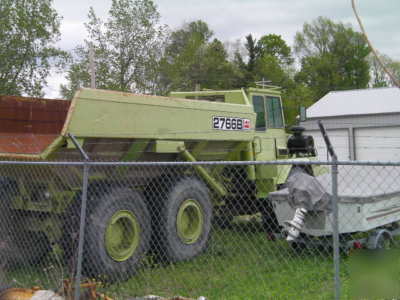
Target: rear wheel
x=118 y=231
x=183 y=220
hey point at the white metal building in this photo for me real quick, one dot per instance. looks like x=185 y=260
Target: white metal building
x=362 y=124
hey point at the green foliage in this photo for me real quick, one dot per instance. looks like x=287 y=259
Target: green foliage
x=218 y=70
x=127 y=49
x=294 y=97
x=179 y=39
x=268 y=58
x=253 y=55
x=191 y=59
x=273 y=45
x=333 y=57
x=379 y=78
x=28 y=31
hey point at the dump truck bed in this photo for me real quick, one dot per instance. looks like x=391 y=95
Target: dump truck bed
x=36 y=128
x=29 y=126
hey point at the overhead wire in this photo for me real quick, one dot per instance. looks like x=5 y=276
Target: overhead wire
x=390 y=74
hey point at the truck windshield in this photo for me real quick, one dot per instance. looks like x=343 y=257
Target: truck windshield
x=274 y=112
x=269 y=112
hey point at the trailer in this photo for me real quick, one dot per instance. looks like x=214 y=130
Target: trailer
x=368 y=210
x=168 y=210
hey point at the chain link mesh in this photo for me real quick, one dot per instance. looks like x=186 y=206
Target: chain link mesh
x=165 y=229
x=39 y=210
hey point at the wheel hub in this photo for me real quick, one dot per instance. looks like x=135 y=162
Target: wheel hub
x=189 y=221
x=122 y=235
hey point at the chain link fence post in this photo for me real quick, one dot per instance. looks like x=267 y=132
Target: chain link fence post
x=82 y=221
x=85 y=182
x=335 y=208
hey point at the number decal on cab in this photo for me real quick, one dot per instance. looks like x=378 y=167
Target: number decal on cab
x=230 y=123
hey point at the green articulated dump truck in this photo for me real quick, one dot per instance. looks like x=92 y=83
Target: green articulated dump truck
x=235 y=125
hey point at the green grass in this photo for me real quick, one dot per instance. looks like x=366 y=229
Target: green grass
x=240 y=263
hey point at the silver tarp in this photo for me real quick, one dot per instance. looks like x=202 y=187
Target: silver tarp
x=307 y=192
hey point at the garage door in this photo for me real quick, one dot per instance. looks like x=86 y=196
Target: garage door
x=379 y=143
x=339 y=140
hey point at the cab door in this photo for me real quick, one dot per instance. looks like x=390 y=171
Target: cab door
x=269 y=127
x=270 y=134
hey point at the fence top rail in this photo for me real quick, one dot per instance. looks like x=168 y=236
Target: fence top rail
x=203 y=163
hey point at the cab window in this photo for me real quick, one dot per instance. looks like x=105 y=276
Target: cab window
x=274 y=112
x=259 y=109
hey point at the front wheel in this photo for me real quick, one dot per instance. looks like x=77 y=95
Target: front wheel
x=269 y=220
x=183 y=220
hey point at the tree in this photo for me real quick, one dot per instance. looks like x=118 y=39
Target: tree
x=269 y=58
x=253 y=54
x=294 y=97
x=274 y=60
x=379 y=78
x=28 y=31
x=218 y=71
x=127 y=47
x=179 y=39
x=191 y=59
x=273 y=45
x=333 y=57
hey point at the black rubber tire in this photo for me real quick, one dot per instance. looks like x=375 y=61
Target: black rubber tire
x=268 y=217
x=166 y=240
x=97 y=262
x=71 y=219
x=298 y=247
x=384 y=242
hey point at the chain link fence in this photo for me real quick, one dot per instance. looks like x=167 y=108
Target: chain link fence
x=127 y=230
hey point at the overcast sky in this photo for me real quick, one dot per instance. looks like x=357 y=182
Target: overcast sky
x=233 y=19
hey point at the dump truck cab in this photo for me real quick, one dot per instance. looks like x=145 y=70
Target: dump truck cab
x=269 y=142
x=270 y=137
